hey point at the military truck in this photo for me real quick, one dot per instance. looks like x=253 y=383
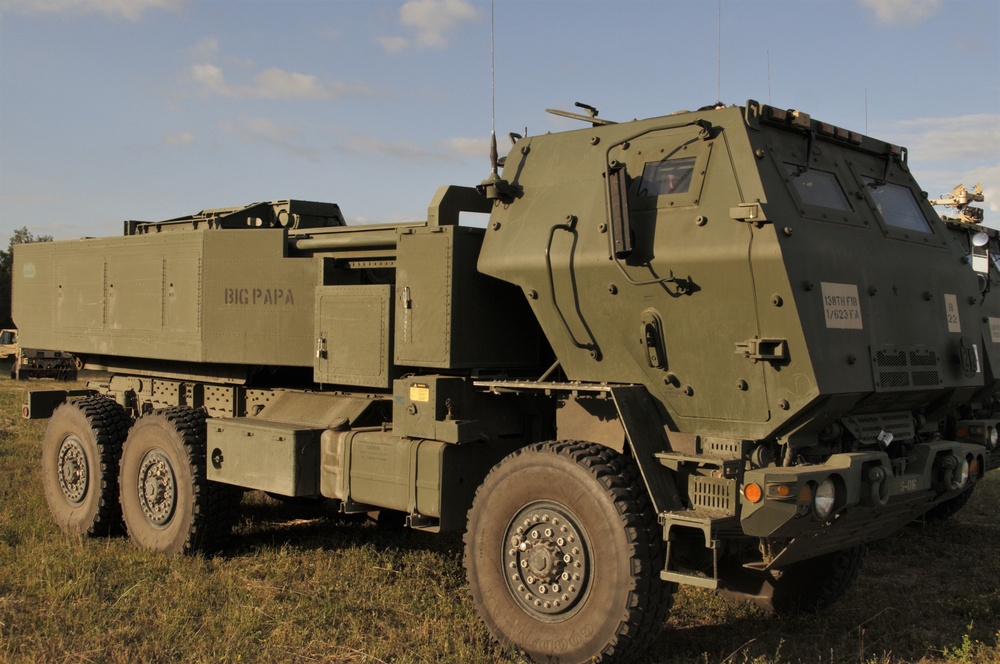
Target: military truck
x=709 y=348
x=978 y=420
x=8 y=344
x=34 y=363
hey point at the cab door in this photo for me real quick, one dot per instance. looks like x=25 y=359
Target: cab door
x=690 y=276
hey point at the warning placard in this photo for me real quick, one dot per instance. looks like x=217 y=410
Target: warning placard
x=951 y=311
x=995 y=330
x=841 y=306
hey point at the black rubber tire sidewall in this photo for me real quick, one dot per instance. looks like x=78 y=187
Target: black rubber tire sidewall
x=154 y=432
x=530 y=477
x=814 y=584
x=78 y=518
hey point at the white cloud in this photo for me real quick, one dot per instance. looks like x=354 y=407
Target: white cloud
x=431 y=23
x=205 y=49
x=183 y=138
x=129 y=9
x=469 y=147
x=397 y=149
x=944 y=152
x=452 y=150
x=263 y=130
x=906 y=12
x=970 y=138
x=273 y=83
x=394 y=44
x=276 y=83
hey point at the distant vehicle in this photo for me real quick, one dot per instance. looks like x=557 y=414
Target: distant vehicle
x=978 y=419
x=31 y=363
x=708 y=348
x=8 y=343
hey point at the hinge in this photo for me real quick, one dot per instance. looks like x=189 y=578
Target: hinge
x=763 y=349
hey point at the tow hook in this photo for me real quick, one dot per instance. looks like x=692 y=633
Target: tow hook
x=956 y=472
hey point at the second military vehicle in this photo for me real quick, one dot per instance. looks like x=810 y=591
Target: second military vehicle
x=709 y=348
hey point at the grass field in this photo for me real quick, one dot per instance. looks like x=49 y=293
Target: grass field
x=311 y=587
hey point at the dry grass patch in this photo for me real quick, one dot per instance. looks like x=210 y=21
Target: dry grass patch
x=300 y=584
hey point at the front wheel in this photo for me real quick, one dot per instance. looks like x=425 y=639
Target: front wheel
x=563 y=555
x=167 y=503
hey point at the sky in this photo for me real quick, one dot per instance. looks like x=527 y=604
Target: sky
x=153 y=109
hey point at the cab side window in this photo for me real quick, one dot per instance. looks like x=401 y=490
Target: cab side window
x=669 y=176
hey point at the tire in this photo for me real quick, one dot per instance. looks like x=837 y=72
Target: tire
x=814 y=584
x=167 y=503
x=81 y=448
x=585 y=589
x=948 y=508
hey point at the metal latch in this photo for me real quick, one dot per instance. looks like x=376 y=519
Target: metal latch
x=746 y=212
x=651 y=338
x=763 y=349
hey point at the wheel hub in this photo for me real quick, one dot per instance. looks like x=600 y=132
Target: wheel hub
x=157 y=488
x=74 y=475
x=546 y=561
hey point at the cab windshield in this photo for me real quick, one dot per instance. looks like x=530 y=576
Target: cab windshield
x=897 y=205
x=817 y=187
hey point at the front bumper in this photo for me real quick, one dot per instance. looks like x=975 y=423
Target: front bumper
x=872 y=500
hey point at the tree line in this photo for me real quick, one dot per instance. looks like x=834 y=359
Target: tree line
x=20 y=236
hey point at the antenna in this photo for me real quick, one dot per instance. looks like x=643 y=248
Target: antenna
x=718 y=88
x=493 y=77
x=494 y=158
x=493 y=187
x=769 y=77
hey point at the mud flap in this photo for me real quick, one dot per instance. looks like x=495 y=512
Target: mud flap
x=646 y=437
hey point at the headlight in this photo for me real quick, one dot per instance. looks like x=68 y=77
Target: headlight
x=825 y=499
x=992 y=437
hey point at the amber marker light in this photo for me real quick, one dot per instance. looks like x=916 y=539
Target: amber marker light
x=780 y=491
x=974 y=467
x=961 y=432
x=753 y=492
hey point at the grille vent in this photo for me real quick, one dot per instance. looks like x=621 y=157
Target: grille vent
x=712 y=493
x=866 y=428
x=906 y=369
x=721 y=448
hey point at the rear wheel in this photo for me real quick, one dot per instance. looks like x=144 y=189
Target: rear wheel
x=563 y=555
x=167 y=503
x=80 y=452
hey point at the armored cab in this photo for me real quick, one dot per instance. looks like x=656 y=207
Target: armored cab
x=711 y=348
